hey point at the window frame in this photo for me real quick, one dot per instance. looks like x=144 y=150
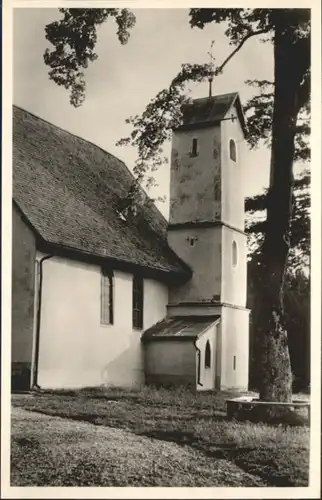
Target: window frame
x=137 y=302
x=234 y=253
x=207 y=362
x=217 y=190
x=194 y=147
x=107 y=299
x=232 y=141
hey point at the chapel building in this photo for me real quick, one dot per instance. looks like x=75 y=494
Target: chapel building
x=105 y=295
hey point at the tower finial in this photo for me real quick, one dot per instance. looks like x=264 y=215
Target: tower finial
x=210 y=80
x=211 y=76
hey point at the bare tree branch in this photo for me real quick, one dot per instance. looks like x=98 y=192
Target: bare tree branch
x=237 y=49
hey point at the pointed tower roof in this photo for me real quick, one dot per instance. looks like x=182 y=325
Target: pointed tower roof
x=208 y=111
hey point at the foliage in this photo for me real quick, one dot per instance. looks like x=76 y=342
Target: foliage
x=154 y=127
x=74 y=38
x=256 y=207
x=259 y=114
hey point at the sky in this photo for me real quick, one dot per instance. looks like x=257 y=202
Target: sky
x=124 y=79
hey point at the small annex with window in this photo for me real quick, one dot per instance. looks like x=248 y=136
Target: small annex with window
x=107 y=297
x=183 y=351
x=137 y=302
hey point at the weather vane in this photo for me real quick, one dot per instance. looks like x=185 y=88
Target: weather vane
x=211 y=76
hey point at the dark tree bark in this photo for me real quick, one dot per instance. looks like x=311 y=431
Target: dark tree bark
x=271 y=345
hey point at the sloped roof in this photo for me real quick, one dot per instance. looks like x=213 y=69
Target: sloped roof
x=179 y=328
x=68 y=189
x=207 y=111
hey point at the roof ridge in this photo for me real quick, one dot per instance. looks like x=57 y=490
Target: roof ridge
x=209 y=325
x=208 y=111
x=239 y=110
x=217 y=96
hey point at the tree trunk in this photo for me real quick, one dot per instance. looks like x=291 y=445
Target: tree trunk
x=272 y=354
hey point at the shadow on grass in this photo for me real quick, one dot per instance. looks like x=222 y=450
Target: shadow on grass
x=258 y=462
x=28 y=443
x=227 y=451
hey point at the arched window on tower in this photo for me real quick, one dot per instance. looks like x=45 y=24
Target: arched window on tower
x=232 y=150
x=234 y=253
x=208 y=355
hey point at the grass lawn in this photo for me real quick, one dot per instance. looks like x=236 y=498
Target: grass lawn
x=149 y=438
x=58 y=452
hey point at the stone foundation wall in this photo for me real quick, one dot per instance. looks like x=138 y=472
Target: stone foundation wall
x=20 y=376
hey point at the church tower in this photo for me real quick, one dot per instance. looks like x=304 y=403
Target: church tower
x=206 y=226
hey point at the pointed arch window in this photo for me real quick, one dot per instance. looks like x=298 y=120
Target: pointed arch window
x=208 y=355
x=232 y=150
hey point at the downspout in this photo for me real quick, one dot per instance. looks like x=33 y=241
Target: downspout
x=199 y=358
x=38 y=318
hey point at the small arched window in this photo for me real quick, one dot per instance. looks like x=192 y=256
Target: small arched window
x=234 y=253
x=207 y=355
x=232 y=150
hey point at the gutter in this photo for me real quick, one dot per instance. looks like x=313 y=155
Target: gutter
x=168 y=276
x=199 y=359
x=38 y=319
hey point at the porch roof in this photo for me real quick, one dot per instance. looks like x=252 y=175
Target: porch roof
x=179 y=328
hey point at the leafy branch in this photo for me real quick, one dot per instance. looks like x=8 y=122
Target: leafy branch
x=74 y=38
x=220 y=68
x=255 y=208
x=259 y=113
x=154 y=126
x=164 y=113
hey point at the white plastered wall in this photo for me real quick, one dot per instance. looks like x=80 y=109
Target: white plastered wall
x=193 y=179
x=207 y=375
x=233 y=210
x=235 y=344
x=234 y=277
x=75 y=349
x=204 y=257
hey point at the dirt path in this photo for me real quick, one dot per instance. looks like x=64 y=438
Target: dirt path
x=52 y=451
